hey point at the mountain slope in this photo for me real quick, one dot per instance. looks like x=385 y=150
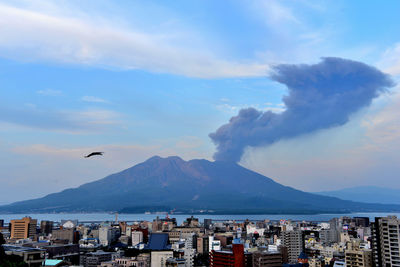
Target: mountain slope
x=172 y=183
x=368 y=194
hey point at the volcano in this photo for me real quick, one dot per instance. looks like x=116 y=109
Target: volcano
x=163 y=184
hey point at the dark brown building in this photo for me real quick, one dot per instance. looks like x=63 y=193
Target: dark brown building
x=268 y=259
x=46 y=227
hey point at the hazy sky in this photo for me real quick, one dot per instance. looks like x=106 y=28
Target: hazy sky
x=142 y=78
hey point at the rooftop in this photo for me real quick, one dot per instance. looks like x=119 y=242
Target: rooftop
x=21 y=249
x=52 y=262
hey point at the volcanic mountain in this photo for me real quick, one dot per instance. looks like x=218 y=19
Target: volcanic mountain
x=163 y=184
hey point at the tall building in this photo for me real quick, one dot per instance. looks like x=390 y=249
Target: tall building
x=294 y=242
x=207 y=223
x=108 y=234
x=386 y=241
x=189 y=257
x=328 y=236
x=46 y=227
x=24 y=228
x=137 y=237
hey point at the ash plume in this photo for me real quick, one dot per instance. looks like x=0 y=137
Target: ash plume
x=320 y=96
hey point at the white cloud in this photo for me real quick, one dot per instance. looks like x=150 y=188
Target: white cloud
x=49 y=92
x=93 y=99
x=36 y=36
x=68 y=121
x=275 y=13
x=390 y=61
x=94 y=117
x=383 y=127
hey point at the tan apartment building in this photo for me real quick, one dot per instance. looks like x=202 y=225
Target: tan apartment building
x=358 y=258
x=24 y=228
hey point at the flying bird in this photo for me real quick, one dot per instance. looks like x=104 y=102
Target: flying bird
x=94 y=154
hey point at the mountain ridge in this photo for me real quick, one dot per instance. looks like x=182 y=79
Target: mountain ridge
x=189 y=186
x=376 y=194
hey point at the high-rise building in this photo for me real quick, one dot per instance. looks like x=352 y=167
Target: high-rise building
x=108 y=234
x=207 y=223
x=294 y=242
x=46 y=227
x=361 y=221
x=24 y=228
x=328 y=236
x=137 y=237
x=386 y=241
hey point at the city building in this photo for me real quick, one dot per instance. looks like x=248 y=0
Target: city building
x=268 y=258
x=158 y=241
x=358 y=258
x=328 y=236
x=207 y=224
x=66 y=252
x=235 y=258
x=137 y=237
x=93 y=259
x=386 y=241
x=294 y=242
x=213 y=244
x=159 y=258
x=34 y=257
x=24 y=228
x=63 y=234
x=46 y=227
x=139 y=261
x=108 y=234
x=173 y=262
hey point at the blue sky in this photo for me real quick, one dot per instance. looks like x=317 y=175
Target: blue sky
x=138 y=78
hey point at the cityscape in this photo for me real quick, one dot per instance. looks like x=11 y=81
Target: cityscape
x=344 y=241
x=230 y=133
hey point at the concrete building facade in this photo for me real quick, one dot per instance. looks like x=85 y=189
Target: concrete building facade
x=386 y=241
x=294 y=243
x=358 y=258
x=24 y=228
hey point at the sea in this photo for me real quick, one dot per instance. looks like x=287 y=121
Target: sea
x=108 y=217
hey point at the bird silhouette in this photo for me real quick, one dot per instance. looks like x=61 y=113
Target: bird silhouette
x=94 y=154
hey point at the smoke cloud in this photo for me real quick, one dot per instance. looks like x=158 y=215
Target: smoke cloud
x=320 y=96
